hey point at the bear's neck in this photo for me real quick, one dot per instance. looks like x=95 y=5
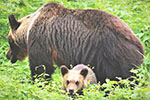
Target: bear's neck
x=20 y=35
x=20 y=40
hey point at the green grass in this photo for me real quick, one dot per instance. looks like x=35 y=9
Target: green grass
x=15 y=79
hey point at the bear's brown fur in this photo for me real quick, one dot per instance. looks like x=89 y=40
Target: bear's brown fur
x=17 y=39
x=66 y=36
x=78 y=78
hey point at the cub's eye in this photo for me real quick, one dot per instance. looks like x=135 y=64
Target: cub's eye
x=77 y=83
x=67 y=82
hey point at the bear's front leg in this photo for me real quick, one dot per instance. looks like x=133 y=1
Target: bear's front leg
x=41 y=64
x=40 y=70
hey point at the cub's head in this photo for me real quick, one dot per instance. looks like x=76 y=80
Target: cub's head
x=73 y=81
x=17 y=38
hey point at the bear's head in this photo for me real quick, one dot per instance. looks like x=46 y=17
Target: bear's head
x=73 y=81
x=17 y=38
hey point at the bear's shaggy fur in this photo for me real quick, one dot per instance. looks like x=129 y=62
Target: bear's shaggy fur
x=66 y=36
x=78 y=78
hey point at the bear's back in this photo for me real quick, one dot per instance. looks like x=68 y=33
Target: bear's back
x=92 y=37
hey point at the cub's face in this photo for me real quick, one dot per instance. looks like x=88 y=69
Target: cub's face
x=17 y=47
x=73 y=81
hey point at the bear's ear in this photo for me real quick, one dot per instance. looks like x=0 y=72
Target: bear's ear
x=13 y=22
x=64 y=70
x=84 y=72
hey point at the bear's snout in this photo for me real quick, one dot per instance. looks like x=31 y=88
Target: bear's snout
x=71 y=91
x=10 y=56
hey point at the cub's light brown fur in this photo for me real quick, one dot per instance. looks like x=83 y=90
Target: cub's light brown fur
x=78 y=78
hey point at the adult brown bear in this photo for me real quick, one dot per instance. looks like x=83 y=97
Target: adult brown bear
x=66 y=36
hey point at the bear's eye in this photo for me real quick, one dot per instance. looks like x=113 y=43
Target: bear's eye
x=77 y=83
x=67 y=82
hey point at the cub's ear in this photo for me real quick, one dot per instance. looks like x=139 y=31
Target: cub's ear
x=64 y=70
x=13 y=22
x=84 y=72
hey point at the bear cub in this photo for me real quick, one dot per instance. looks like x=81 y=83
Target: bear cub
x=76 y=79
